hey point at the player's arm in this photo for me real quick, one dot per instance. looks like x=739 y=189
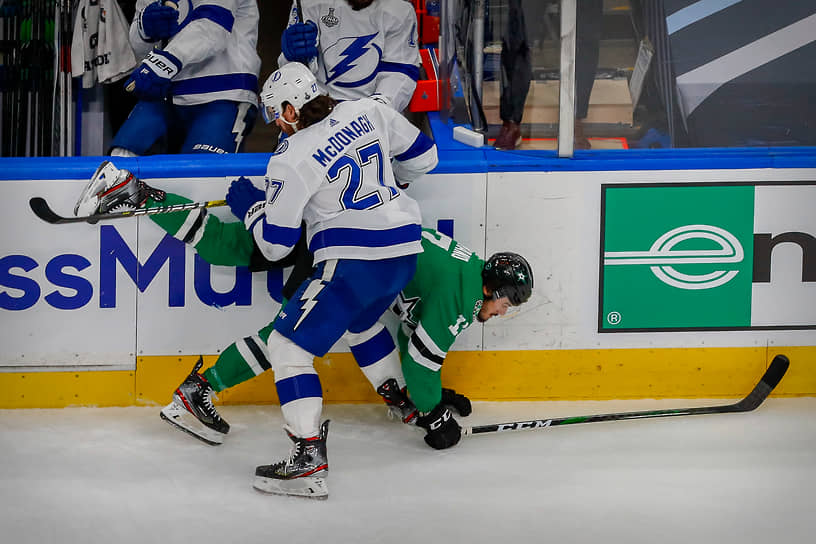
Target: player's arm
x=299 y=40
x=206 y=33
x=152 y=22
x=399 y=68
x=423 y=354
x=293 y=19
x=275 y=219
x=413 y=152
x=424 y=351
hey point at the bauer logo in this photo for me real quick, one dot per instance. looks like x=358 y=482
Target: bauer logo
x=689 y=257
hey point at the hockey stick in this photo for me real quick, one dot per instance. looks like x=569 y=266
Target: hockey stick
x=776 y=370
x=42 y=210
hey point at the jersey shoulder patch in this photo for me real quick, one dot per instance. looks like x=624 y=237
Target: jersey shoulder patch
x=282 y=147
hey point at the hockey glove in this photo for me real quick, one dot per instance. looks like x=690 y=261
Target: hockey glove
x=151 y=79
x=458 y=402
x=441 y=430
x=158 y=22
x=299 y=42
x=242 y=195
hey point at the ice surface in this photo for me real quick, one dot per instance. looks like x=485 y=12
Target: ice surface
x=121 y=475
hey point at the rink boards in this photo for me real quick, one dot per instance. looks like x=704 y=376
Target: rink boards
x=648 y=284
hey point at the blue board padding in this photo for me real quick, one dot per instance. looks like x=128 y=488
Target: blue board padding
x=454 y=158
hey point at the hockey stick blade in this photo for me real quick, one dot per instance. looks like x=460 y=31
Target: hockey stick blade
x=42 y=210
x=773 y=375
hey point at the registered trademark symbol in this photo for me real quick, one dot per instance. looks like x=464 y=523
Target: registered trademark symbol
x=613 y=318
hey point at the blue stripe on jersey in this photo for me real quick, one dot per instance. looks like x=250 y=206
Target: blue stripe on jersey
x=420 y=146
x=298 y=387
x=284 y=236
x=365 y=238
x=374 y=349
x=217 y=14
x=212 y=84
x=408 y=69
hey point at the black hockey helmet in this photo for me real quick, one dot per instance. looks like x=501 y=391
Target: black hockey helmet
x=508 y=275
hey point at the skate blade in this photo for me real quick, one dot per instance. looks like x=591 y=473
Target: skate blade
x=308 y=487
x=179 y=417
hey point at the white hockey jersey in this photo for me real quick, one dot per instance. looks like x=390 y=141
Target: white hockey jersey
x=217 y=45
x=373 y=50
x=336 y=175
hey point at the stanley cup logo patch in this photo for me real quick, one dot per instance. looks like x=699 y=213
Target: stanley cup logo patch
x=330 y=19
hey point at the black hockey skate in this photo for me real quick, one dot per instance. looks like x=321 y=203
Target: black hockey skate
x=192 y=409
x=399 y=405
x=303 y=474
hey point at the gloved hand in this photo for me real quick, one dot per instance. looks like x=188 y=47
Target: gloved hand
x=158 y=22
x=441 y=430
x=458 y=402
x=242 y=195
x=151 y=79
x=299 y=42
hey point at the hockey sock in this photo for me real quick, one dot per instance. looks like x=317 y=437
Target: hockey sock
x=240 y=361
x=376 y=355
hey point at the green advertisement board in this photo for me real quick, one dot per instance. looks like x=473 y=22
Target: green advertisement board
x=681 y=256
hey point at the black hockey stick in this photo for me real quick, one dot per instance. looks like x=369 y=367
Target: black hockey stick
x=776 y=370
x=42 y=210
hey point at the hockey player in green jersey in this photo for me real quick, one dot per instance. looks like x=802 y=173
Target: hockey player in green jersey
x=451 y=288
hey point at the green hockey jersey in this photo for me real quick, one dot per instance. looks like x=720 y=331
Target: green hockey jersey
x=440 y=302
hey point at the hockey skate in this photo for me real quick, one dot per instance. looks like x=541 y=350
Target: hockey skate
x=399 y=405
x=303 y=474
x=112 y=189
x=192 y=409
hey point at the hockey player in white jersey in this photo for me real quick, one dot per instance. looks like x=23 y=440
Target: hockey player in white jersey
x=197 y=85
x=357 y=48
x=334 y=172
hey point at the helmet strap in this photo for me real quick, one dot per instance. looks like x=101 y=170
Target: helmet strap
x=293 y=124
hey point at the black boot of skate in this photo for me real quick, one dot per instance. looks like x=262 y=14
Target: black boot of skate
x=192 y=409
x=399 y=405
x=303 y=474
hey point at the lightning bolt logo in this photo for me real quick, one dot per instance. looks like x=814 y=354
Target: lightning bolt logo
x=352 y=53
x=309 y=299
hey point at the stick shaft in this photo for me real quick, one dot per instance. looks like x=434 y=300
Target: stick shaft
x=776 y=370
x=42 y=210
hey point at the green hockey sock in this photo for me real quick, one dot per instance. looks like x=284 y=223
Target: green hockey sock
x=233 y=368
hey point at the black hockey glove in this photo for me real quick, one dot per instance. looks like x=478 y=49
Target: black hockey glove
x=441 y=430
x=458 y=402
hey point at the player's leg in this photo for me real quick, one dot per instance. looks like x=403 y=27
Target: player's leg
x=146 y=126
x=111 y=189
x=300 y=393
x=373 y=346
x=192 y=410
x=378 y=358
x=217 y=127
x=321 y=310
